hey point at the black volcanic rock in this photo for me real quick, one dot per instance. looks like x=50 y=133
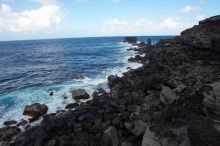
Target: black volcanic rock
x=206 y=35
x=35 y=110
x=131 y=40
x=80 y=94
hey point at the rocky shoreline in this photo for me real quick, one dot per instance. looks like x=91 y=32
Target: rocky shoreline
x=173 y=100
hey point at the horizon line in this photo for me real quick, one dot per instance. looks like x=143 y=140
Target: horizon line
x=57 y=38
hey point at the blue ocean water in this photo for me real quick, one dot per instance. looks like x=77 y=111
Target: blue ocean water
x=30 y=70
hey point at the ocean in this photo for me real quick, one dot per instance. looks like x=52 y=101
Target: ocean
x=30 y=70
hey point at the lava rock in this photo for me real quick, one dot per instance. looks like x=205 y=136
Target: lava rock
x=35 y=110
x=8 y=123
x=7 y=133
x=131 y=40
x=72 y=105
x=167 y=96
x=22 y=123
x=80 y=94
x=149 y=139
x=139 y=128
x=111 y=136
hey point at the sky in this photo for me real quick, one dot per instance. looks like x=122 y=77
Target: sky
x=43 y=19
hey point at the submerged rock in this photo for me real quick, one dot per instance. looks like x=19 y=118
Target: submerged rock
x=80 y=94
x=79 y=77
x=51 y=93
x=35 y=110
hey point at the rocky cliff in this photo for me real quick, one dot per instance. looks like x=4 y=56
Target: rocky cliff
x=206 y=35
x=173 y=100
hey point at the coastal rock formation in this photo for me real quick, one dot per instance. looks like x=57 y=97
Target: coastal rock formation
x=35 y=110
x=79 y=77
x=131 y=40
x=173 y=100
x=206 y=35
x=7 y=133
x=80 y=94
x=167 y=96
x=149 y=139
x=72 y=105
x=9 y=123
x=212 y=101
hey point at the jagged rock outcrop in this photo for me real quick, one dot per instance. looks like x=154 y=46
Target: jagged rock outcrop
x=131 y=40
x=206 y=35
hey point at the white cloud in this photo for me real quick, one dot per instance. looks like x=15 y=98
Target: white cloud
x=143 y=26
x=45 y=2
x=46 y=18
x=200 y=17
x=190 y=9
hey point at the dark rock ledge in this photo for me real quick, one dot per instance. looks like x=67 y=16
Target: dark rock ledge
x=173 y=100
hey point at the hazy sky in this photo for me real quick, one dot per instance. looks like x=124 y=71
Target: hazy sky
x=36 y=19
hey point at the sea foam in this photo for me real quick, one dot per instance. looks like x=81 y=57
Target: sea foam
x=13 y=103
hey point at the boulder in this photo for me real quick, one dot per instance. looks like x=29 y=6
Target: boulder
x=8 y=123
x=7 y=133
x=22 y=123
x=95 y=94
x=112 y=80
x=167 y=96
x=51 y=93
x=80 y=94
x=139 y=128
x=149 y=139
x=131 y=40
x=99 y=93
x=212 y=99
x=72 y=105
x=35 y=110
x=111 y=136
